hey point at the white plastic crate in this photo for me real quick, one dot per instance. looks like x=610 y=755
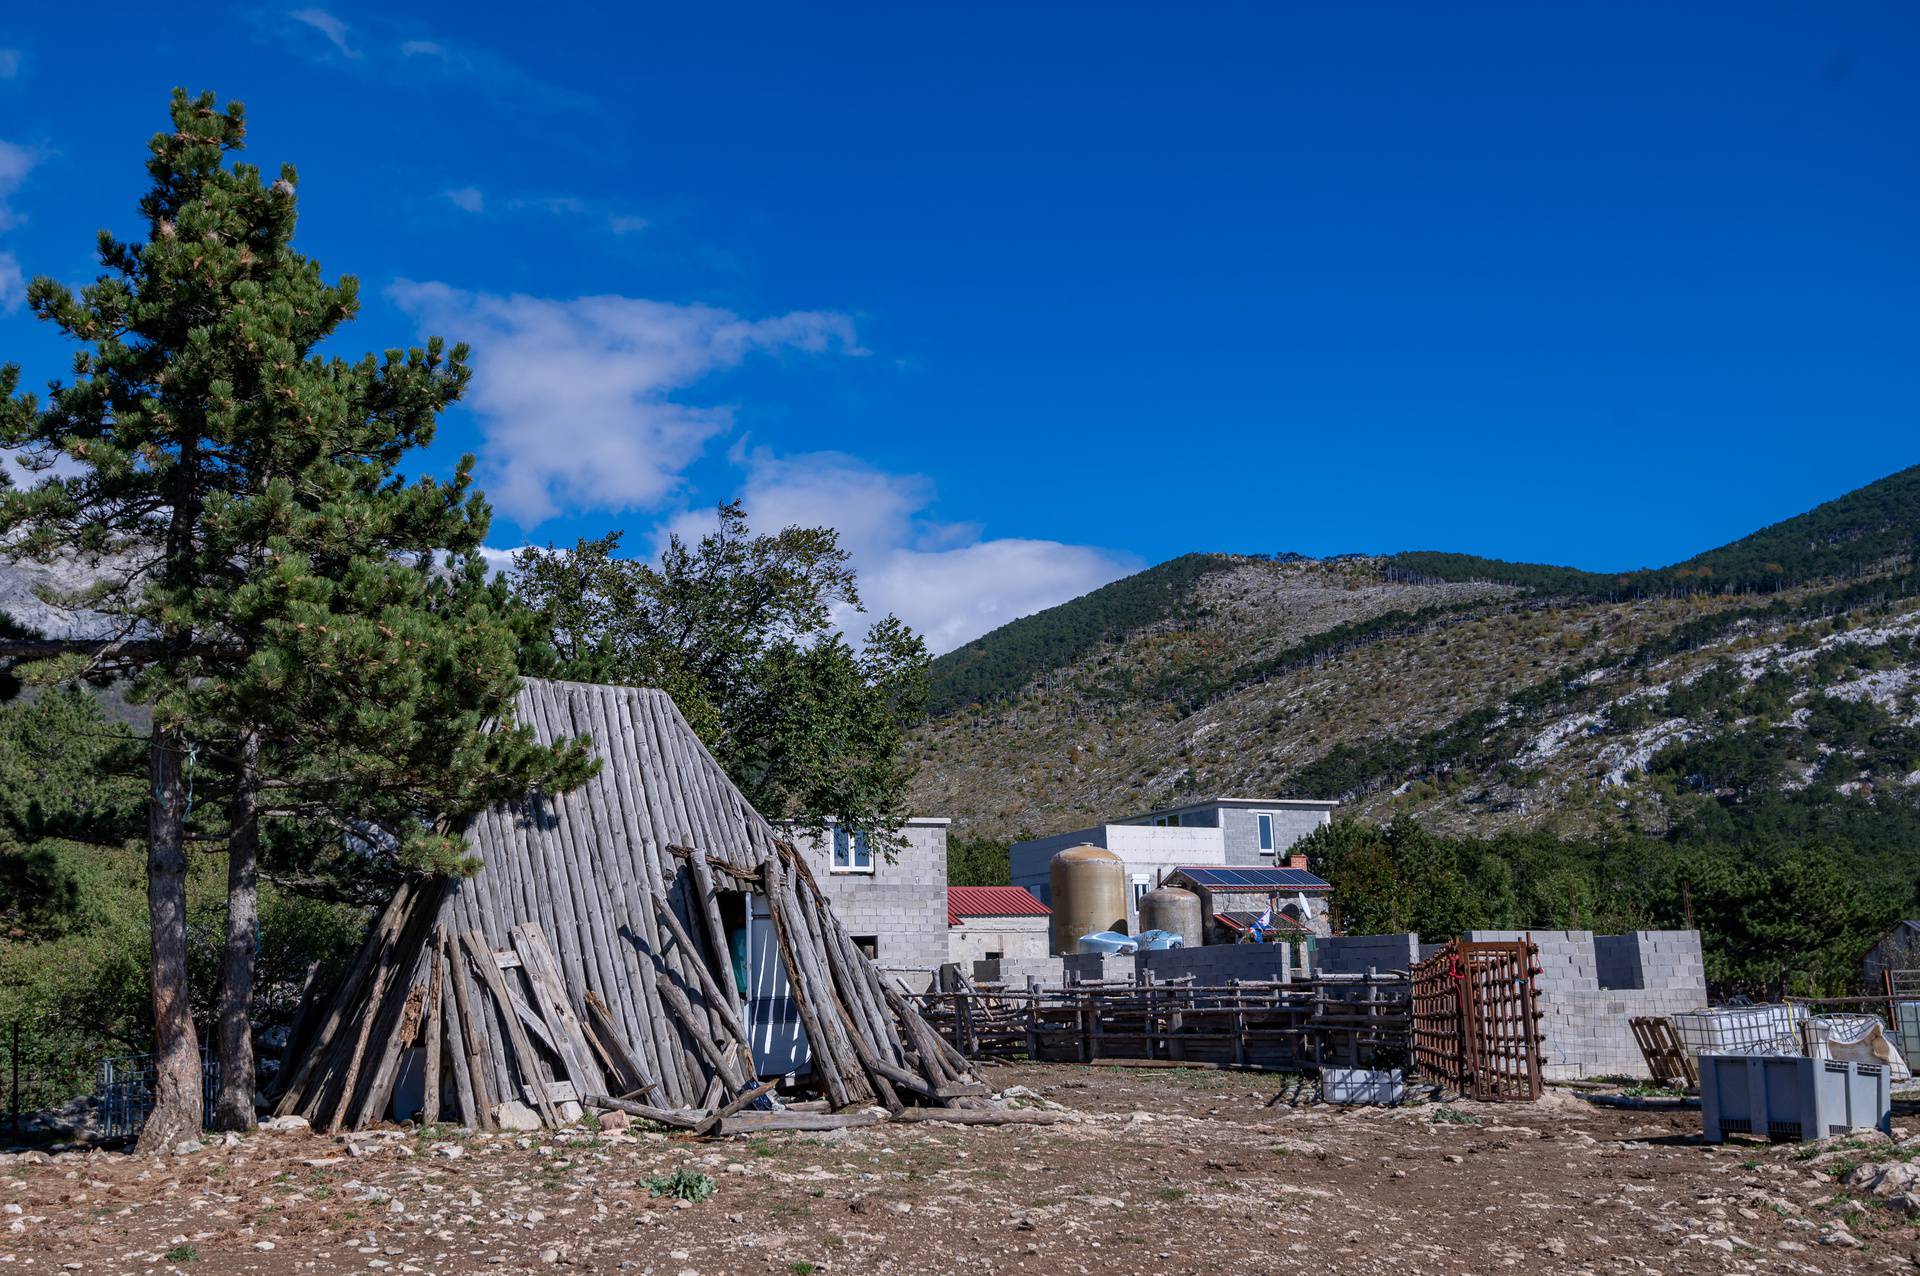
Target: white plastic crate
x=1362 y=1085
x=1788 y=1098
x=1767 y=1029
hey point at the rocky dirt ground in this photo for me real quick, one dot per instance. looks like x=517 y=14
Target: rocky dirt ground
x=1148 y=1171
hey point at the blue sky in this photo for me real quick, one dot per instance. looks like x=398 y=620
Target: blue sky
x=1022 y=298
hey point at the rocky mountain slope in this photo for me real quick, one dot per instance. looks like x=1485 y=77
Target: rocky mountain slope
x=1476 y=694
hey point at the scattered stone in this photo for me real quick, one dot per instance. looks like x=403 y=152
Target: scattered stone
x=517 y=1116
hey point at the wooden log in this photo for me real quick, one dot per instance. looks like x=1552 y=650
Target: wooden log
x=349 y=996
x=925 y=1042
x=823 y=1064
x=456 y=1047
x=708 y=987
x=728 y=1002
x=619 y=1059
x=742 y=1099
x=469 y=1042
x=724 y=1065
x=760 y=1122
x=862 y=1031
x=546 y=980
x=395 y=965
x=627 y=1000
x=679 y=1060
x=653 y=1037
x=480 y=957
x=387 y=1067
x=981 y=1116
x=681 y=786
x=679 y=1118
x=430 y=1037
x=802 y=945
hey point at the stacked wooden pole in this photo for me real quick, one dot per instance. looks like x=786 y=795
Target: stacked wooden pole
x=588 y=964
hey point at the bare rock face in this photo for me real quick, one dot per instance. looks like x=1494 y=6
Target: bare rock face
x=35 y=595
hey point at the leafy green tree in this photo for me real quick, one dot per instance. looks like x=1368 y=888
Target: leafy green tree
x=274 y=575
x=739 y=628
x=974 y=860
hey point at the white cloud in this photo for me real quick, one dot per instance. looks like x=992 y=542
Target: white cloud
x=423 y=49
x=576 y=398
x=467 y=198
x=16 y=162
x=944 y=579
x=12 y=283
x=327 y=25
x=9 y=63
x=621 y=224
x=499 y=561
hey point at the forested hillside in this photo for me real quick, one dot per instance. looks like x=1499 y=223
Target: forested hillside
x=1755 y=705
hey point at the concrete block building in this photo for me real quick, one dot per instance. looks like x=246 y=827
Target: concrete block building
x=1217 y=833
x=994 y=923
x=894 y=907
x=1591 y=985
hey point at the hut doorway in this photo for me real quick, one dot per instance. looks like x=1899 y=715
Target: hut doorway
x=779 y=1042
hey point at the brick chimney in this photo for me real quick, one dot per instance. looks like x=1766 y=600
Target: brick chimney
x=1296 y=859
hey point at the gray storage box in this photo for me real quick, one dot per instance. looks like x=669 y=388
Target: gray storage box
x=1791 y=1098
x=1362 y=1085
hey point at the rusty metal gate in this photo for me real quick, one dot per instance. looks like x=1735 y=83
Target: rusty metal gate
x=1476 y=1027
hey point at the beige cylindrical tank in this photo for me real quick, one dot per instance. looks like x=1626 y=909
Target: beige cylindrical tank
x=1172 y=908
x=1089 y=894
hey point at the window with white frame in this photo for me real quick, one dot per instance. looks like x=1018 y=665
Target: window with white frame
x=851 y=854
x=1265 y=820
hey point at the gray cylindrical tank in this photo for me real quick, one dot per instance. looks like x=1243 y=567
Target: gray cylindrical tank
x=1173 y=909
x=1089 y=894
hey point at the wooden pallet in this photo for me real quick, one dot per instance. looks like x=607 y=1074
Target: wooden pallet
x=1668 y=1060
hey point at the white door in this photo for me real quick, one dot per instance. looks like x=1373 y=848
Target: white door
x=779 y=1042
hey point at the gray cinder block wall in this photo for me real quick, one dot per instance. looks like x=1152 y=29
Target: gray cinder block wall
x=1014 y=972
x=901 y=903
x=1356 y=954
x=1217 y=963
x=1014 y=938
x=1590 y=986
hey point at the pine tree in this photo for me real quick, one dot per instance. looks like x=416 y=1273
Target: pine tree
x=278 y=596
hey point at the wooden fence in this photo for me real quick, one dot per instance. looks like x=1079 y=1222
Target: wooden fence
x=1357 y=1021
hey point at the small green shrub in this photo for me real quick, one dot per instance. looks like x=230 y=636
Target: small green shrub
x=683 y=1184
x=1444 y=1114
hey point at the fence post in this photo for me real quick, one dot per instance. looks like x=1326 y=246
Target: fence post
x=16 y=1079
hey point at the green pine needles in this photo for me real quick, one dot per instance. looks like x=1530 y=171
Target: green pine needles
x=310 y=627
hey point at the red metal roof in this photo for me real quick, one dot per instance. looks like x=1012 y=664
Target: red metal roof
x=992 y=901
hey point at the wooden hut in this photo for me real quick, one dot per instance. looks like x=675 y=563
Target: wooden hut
x=647 y=942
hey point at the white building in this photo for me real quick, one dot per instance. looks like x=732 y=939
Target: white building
x=1215 y=833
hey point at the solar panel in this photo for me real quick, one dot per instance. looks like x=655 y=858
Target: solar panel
x=1254 y=879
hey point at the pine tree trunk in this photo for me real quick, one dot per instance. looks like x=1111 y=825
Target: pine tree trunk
x=178 y=1104
x=234 y=1109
